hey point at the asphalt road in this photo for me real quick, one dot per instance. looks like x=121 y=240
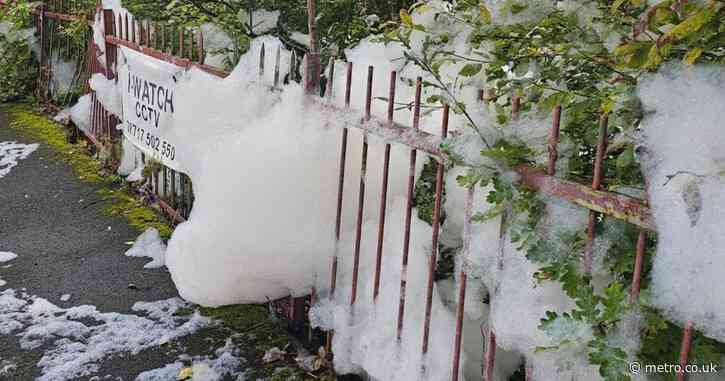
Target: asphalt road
x=66 y=245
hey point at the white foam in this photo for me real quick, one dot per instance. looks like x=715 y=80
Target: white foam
x=6 y=256
x=683 y=138
x=11 y=153
x=225 y=364
x=150 y=245
x=73 y=349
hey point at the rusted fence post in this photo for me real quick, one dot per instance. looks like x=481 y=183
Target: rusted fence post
x=312 y=71
x=109 y=29
x=685 y=350
x=43 y=55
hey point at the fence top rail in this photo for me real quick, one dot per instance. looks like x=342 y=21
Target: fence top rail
x=170 y=58
x=632 y=210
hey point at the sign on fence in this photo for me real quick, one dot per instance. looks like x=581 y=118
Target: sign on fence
x=148 y=88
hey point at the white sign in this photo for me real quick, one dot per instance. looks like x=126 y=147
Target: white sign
x=148 y=86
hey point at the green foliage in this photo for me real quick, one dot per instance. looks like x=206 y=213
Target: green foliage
x=510 y=154
x=661 y=341
x=590 y=64
x=424 y=193
x=17 y=63
x=340 y=23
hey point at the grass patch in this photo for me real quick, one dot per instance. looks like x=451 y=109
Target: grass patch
x=31 y=122
x=259 y=333
x=116 y=195
x=120 y=202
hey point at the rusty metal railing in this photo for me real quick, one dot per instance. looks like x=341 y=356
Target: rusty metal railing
x=185 y=48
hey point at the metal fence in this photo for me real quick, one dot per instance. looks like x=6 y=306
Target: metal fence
x=185 y=48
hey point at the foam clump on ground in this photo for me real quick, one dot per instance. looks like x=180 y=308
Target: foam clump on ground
x=683 y=158
x=6 y=256
x=149 y=245
x=132 y=164
x=11 y=153
x=225 y=364
x=72 y=349
x=79 y=114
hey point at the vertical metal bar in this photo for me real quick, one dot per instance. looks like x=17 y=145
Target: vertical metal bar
x=43 y=55
x=515 y=106
x=529 y=373
x=432 y=260
x=348 y=85
x=125 y=22
x=312 y=72
x=200 y=43
x=462 y=280
x=180 y=52
x=189 y=191
x=553 y=142
x=384 y=190
x=155 y=35
x=163 y=37
x=261 y=62
x=164 y=187
x=340 y=186
x=276 y=65
x=181 y=210
x=172 y=198
x=192 y=40
x=490 y=356
x=148 y=33
x=156 y=183
x=638 y=263
x=110 y=30
x=361 y=195
x=330 y=77
x=133 y=30
x=596 y=183
x=685 y=350
x=408 y=213
x=93 y=113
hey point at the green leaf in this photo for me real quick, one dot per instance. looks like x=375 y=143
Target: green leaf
x=634 y=54
x=692 y=24
x=557 y=99
x=433 y=99
x=654 y=57
x=608 y=105
x=484 y=13
x=616 y=5
x=614 y=302
x=517 y=8
x=511 y=154
x=470 y=70
x=489 y=214
x=693 y=55
x=612 y=361
x=626 y=158
x=405 y=18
